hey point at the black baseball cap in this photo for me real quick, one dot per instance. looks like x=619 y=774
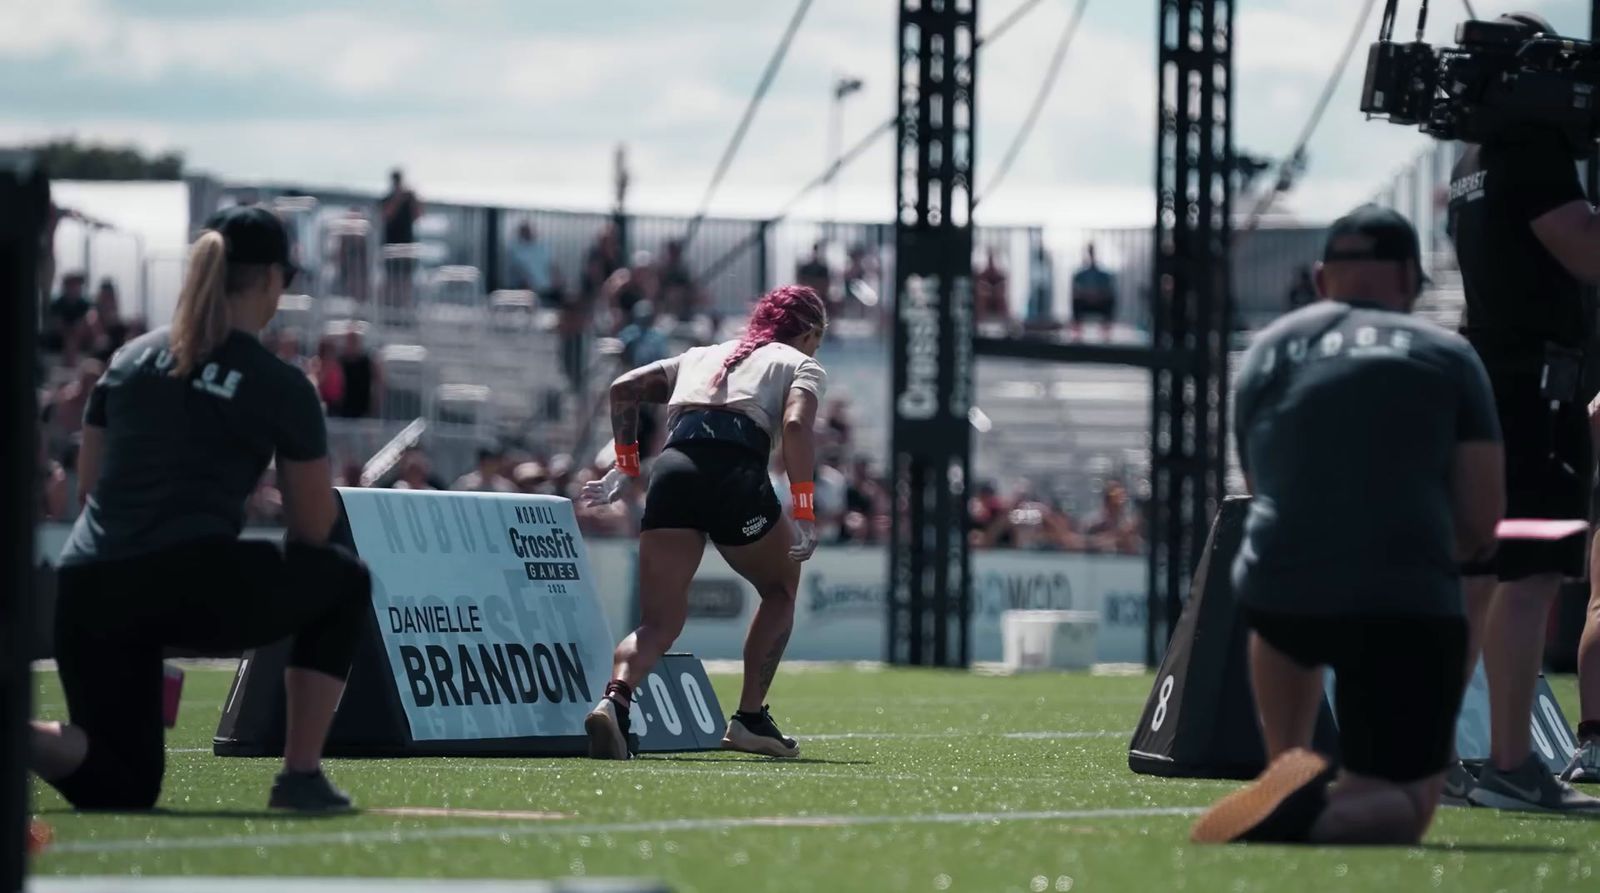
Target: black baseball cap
x=1372 y=232
x=254 y=235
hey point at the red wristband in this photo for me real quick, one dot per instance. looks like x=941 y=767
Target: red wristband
x=628 y=459
x=805 y=501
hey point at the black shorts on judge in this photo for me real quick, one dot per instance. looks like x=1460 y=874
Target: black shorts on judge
x=720 y=489
x=1398 y=684
x=115 y=620
x=1549 y=470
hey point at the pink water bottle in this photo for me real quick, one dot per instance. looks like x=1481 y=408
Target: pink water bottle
x=171 y=692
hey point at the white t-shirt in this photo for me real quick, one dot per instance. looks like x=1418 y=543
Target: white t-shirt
x=758 y=387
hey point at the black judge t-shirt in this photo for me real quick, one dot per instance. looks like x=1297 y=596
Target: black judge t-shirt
x=183 y=454
x=1348 y=418
x=1518 y=295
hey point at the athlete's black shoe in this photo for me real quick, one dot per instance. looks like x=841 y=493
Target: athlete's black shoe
x=306 y=792
x=757 y=733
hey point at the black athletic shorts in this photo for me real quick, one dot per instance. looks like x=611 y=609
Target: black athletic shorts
x=721 y=489
x=1549 y=473
x=1398 y=684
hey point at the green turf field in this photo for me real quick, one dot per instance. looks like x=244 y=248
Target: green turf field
x=910 y=780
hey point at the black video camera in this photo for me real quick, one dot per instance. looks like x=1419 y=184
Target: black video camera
x=1502 y=78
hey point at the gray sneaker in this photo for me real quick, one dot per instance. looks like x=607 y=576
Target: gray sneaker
x=1530 y=787
x=607 y=728
x=307 y=792
x=1585 y=765
x=1458 y=785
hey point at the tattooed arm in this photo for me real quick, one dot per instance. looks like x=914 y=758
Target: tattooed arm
x=646 y=384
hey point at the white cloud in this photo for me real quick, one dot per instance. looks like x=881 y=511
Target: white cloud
x=533 y=114
x=34 y=28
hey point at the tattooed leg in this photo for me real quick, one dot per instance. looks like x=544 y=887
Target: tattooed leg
x=763 y=650
x=776 y=579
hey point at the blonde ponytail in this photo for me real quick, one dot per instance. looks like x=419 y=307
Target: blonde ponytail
x=200 y=324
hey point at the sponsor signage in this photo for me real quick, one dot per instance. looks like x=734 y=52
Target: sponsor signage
x=486 y=609
x=841 y=610
x=487 y=637
x=842 y=591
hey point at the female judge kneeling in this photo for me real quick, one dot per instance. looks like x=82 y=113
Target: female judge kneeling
x=176 y=436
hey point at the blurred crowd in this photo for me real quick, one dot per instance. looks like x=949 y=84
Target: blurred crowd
x=344 y=372
x=75 y=326
x=853 y=502
x=77 y=336
x=638 y=309
x=1026 y=520
x=347 y=375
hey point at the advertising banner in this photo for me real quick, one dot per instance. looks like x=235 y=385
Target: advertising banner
x=486 y=608
x=841 y=609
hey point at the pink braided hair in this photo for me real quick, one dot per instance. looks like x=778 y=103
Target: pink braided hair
x=786 y=312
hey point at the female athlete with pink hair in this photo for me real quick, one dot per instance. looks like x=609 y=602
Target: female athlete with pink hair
x=728 y=403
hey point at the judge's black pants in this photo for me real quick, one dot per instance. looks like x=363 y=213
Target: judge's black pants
x=115 y=620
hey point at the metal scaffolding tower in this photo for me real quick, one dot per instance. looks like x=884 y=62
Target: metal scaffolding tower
x=930 y=604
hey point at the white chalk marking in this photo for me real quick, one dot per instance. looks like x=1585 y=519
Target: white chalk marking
x=723 y=823
x=892 y=736
x=1046 y=736
x=870 y=736
x=445 y=812
x=887 y=736
x=307 y=885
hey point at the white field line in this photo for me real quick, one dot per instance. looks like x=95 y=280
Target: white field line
x=203 y=884
x=959 y=700
x=770 y=769
x=445 y=812
x=398 y=835
x=1047 y=736
x=870 y=736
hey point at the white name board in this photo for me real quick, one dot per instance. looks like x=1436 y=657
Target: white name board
x=487 y=608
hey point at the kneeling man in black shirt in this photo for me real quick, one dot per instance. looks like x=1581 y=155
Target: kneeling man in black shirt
x=1371 y=446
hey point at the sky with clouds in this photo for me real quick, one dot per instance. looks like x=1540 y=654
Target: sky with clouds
x=521 y=102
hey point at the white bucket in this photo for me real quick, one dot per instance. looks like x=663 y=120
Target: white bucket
x=1049 y=640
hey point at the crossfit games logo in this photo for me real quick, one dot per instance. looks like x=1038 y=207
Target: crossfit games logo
x=754 y=526
x=919 y=312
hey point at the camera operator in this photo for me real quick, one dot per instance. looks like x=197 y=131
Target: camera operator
x=1524 y=236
